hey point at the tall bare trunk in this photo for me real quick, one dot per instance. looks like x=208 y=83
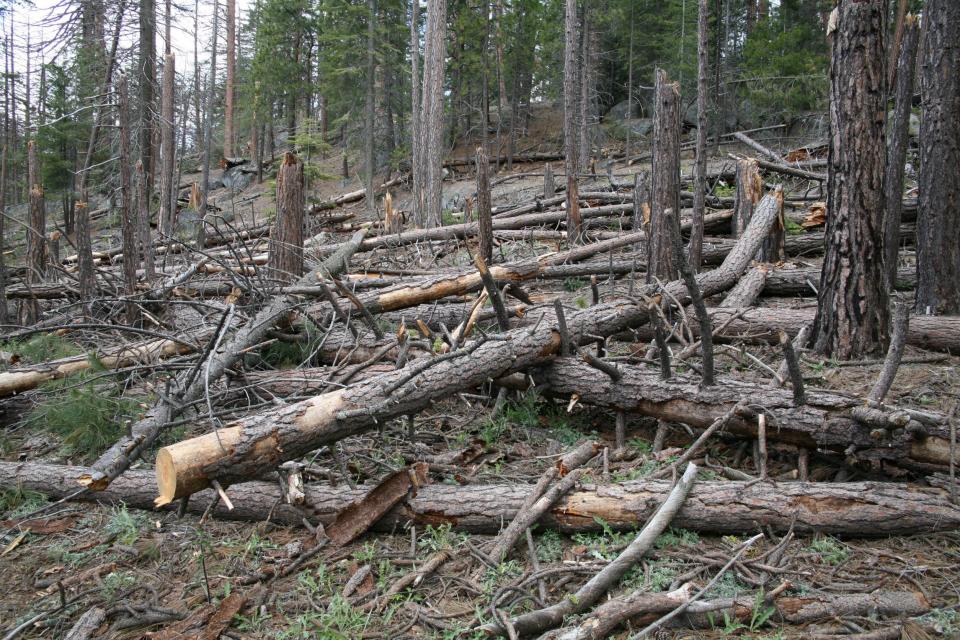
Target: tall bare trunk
x=286 y=240
x=484 y=220
x=571 y=120
x=586 y=80
x=36 y=233
x=938 y=219
x=128 y=210
x=228 y=133
x=168 y=202
x=416 y=155
x=208 y=132
x=700 y=166
x=665 y=178
x=3 y=210
x=143 y=223
x=147 y=78
x=899 y=130
x=431 y=131
x=852 y=315
x=370 y=109
x=895 y=46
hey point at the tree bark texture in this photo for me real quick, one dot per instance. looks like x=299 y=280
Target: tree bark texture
x=36 y=259
x=665 y=177
x=168 y=187
x=286 y=239
x=853 y=315
x=147 y=80
x=258 y=442
x=416 y=140
x=143 y=223
x=748 y=194
x=899 y=130
x=571 y=117
x=700 y=162
x=484 y=220
x=938 y=220
x=128 y=210
x=228 y=130
x=431 y=105
x=852 y=508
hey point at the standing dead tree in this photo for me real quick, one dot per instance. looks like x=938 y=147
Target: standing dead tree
x=36 y=233
x=428 y=211
x=286 y=240
x=665 y=177
x=571 y=120
x=129 y=216
x=938 y=220
x=484 y=219
x=852 y=313
x=168 y=199
x=700 y=164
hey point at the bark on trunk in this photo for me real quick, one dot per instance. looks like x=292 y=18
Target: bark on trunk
x=143 y=224
x=665 y=177
x=228 y=132
x=571 y=117
x=168 y=187
x=899 y=130
x=854 y=509
x=484 y=220
x=431 y=128
x=700 y=164
x=128 y=211
x=748 y=194
x=286 y=239
x=147 y=80
x=827 y=421
x=36 y=259
x=853 y=312
x=260 y=442
x=416 y=155
x=938 y=222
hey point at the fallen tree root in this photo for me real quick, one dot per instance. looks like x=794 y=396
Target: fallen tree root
x=850 y=508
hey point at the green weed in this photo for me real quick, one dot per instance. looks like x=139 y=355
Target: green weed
x=550 y=547
x=42 y=348
x=581 y=302
x=116 y=582
x=572 y=284
x=676 y=538
x=831 y=550
x=17 y=501
x=605 y=545
x=945 y=622
x=441 y=537
x=124 y=524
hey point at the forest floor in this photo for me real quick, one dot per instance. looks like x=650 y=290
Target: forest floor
x=124 y=559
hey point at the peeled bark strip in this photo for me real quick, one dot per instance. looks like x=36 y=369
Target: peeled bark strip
x=853 y=315
x=826 y=421
x=843 y=508
x=665 y=177
x=260 y=442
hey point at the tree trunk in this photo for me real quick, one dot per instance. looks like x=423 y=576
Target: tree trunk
x=228 y=132
x=147 y=80
x=208 y=132
x=168 y=186
x=416 y=117
x=431 y=128
x=129 y=212
x=261 y=441
x=370 y=110
x=893 y=68
x=938 y=221
x=36 y=259
x=748 y=194
x=700 y=164
x=286 y=239
x=838 y=508
x=899 y=130
x=571 y=120
x=853 y=315
x=665 y=177
x=484 y=221
x=143 y=223
x=585 y=85
x=3 y=210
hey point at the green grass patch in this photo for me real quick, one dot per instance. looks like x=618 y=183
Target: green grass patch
x=42 y=348
x=17 y=501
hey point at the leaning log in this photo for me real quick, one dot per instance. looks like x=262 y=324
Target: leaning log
x=829 y=420
x=260 y=442
x=853 y=508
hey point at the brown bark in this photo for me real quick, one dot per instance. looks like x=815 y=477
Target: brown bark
x=748 y=194
x=549 y=186
x=893 y=68
x=938 y=222
x=484 y=221
x=3 y=211
x=748 y=289
x=416 y=140
x=143 y=224
x=897 y=145
x=827 y=421
x=853 y=315
x=286 y=240
x=168 y=199
x=431 y=106
x=855 y=508
x=147 y=80
x=262 y=441
x=665 y=177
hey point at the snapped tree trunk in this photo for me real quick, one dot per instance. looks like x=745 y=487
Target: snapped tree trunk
x=665 y=177
x=853 y=315
x=484 y=221
x=938 y=219
x=286 y=239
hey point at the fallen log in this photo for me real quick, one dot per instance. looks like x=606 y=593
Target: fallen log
x=249 y=446
x=20 y=380
x=854 y=509
x=763 y=325
x=829 y=420
x=190 y=387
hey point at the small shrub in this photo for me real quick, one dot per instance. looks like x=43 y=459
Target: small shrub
x=42 y=348
x=124 y=525
x=572 y=284
x=831 y=550
x=550 y=547
x=677 y=538
x=17 y=501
